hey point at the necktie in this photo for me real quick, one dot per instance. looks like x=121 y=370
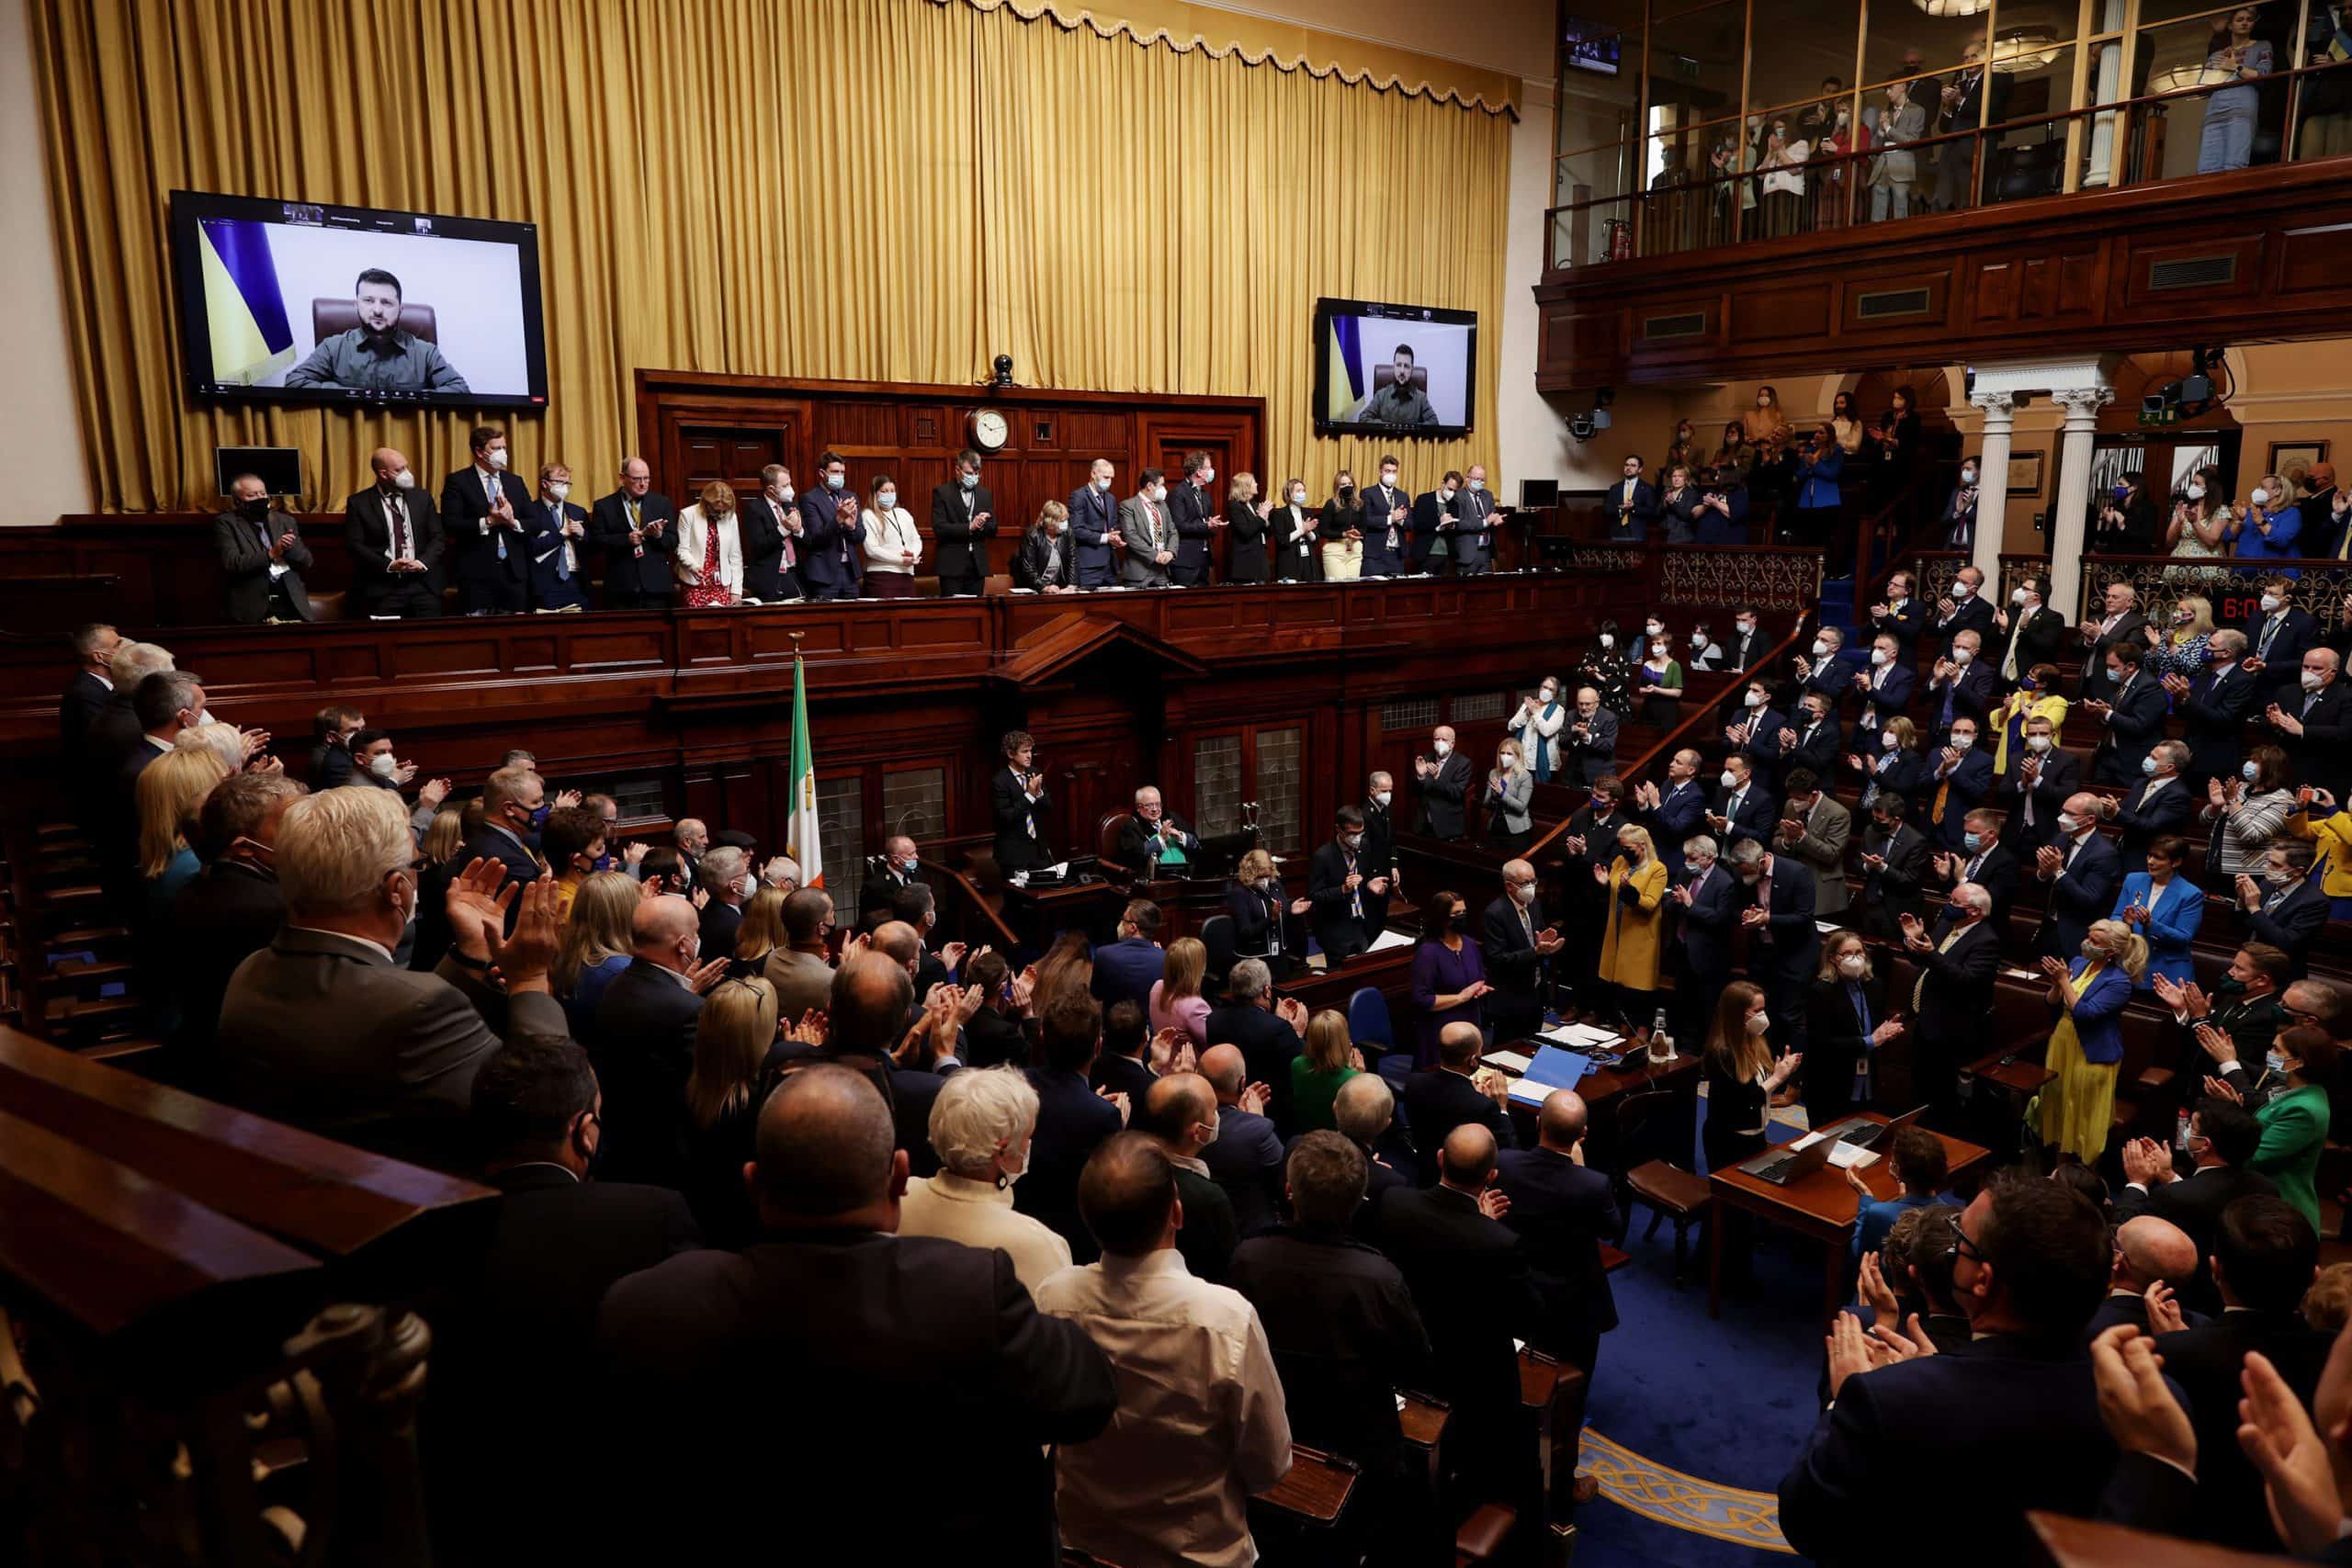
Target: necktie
x=1862 y=1006
x=2009 y=664
x=490 y=494
x=790 y=556
x=1028 y=816
x=2269 y=630
x=398 y=512
x=1944 y=792
x=1919 y=990
x=635 y=521
x=1355 y=898
x=563 y=547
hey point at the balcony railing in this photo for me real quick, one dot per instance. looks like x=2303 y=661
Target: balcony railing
x=2104 y=147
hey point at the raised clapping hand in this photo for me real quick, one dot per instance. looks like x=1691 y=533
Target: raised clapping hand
x=2134 y=1401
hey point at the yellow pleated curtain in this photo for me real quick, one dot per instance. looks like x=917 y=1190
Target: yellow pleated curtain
x=889 y=190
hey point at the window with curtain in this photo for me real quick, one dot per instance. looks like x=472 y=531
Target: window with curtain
x=1217 y=784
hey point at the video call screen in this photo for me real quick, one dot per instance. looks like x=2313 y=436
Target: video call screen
x=1394 y=369
x=288 y=301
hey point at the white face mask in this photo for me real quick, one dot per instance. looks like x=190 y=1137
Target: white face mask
x=1756 y=699
x=1879 y=656
x=1963 y=655
x=1523 y=894
x=1962 y=589
x=1758 y=1022
x=1889 y=741
x=383 y=766
x=1298 y=498
x=1655 y=628
x=2196 y=492
x=1443 y=748
x=1379 y=798
x=498 y=460
x=1158 y=493
x=1730 y=780
x=1852 y=964
x=1821 y=648
x=1698 y=639
x=404 y=480
x=2040 y=742
x=1387 y=481
x=970 y=482
x=1746 y=629
x=2069 y=823
x=2270 y=603
x=1548 y=697
x=2310 y=680
x=784 y=492
x=1659 y=650
x=558 y=490
x=2020 y=597
x=1968 y=476
x=887 y=500
x=1208 y=476
x=1963 y=742
x=1607 y=641
x=2260 y=497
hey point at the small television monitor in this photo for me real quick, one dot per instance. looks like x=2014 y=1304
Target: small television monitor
x=1536 y=494
x=1394 y=370
x=1591 y=47
x=279 y=469
x=288 y=301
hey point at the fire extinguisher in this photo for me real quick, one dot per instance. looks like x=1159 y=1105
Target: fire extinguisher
x=1618 y=245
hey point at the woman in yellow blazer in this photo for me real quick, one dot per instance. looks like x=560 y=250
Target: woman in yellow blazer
x=2036 y=697
x=1630 y=951
x=2332 y=836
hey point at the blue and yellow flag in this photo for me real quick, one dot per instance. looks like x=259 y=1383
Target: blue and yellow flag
x=1343 y=382
x=251 y=340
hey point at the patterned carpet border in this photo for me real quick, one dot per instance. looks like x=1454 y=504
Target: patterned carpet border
x=1670 y=1498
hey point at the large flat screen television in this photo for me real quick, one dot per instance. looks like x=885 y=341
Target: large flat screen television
x=1394 y=369
x=288 y=301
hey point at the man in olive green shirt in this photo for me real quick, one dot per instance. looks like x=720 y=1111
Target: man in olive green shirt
x=376 y=355
x=1399 y=401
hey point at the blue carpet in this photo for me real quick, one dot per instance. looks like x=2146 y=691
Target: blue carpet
x=1728 y=1402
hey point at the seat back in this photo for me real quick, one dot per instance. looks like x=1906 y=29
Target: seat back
x=329 y=317
x=1106 y=835
x=1216 y=935
x=1368 y=1019
x=1648 y=1129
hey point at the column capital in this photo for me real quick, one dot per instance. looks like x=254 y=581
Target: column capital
x=2083 y=403
x=2002 y=403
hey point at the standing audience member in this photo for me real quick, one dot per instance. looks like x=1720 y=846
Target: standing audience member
x=1449 y=978
x=982 y=1124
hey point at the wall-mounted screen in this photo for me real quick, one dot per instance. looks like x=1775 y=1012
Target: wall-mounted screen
x=1394 y=369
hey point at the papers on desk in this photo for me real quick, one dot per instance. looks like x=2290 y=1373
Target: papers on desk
x=1387 y=940
x=1584 y=1036
x=2024 y=974
x=1552 y=1068
x=1827 y=927
x=1058 y=869
x=1843 y=1154
x=1509 y=1059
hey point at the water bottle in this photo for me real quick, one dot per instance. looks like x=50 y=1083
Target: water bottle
x=1661 y=1043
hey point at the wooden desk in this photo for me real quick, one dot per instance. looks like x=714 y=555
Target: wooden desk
x=1603 y=1089
x=1820 y=1206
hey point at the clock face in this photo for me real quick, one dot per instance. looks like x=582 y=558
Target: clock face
x=990 y=429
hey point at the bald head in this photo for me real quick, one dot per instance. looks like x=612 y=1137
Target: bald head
x=1562 y=1121
x=1126 y=1195
x=1518 y=870
x=388 y=465
x=1180 y=1110
x=2151 y=1250
x=826 y=1154
x=1227 y=1070
x=897 y=940
x=1467 y=1157
x=1458 y=1044
x=871 y=1001
x=2085 y=806
x=666 y=930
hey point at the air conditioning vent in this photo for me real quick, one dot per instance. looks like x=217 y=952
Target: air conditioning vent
x=1885 y=302
x=1691 y=324
x=2193 y=272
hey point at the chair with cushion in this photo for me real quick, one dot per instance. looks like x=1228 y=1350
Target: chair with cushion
x=329 y=317
x=1648 y=1176
x=327 y=604
x=1216 y=935
x=1368 y=1026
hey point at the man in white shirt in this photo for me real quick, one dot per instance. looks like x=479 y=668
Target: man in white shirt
x=1202 y=1424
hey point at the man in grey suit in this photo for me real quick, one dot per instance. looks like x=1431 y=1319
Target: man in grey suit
x=1901 y=123
x=322 y=1030
x=1149 y=533
x=1814 y=831
x=262 y=555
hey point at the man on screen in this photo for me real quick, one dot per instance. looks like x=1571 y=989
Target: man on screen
x=1399 y=401
x=377 y=355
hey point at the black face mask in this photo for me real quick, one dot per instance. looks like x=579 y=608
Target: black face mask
x=253 y=510
x=1458 y=921
x=1347 y=492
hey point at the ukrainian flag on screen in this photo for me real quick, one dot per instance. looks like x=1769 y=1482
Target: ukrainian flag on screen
x=1343 y=386
x=243 y=311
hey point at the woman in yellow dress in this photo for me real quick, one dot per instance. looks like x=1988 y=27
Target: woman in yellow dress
x=2037 y=696
x=1629 y=951
x=2087 y=1048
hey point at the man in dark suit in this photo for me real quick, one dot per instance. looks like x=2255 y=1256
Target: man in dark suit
x=1706 y=912
x=2148 y=1252
x=232 y=910
x=2133 y=713
x=1983 y=858
x=831 y=533
x=1339 y=1319
x=1246 y=1160
x=1886 y=689
x=1784 y=943
x=1744 y=808
x=510 y=798
x=1562 y=1212
x=2265 y=1254
x=2214 y=707
x=1192 y=511
x=2120 y=623
x=1517 y=946
x=1829 y=669
x=1973 y=96
x=1122 y=1066
x=690 y=1353
x=2082 y=871
x=1379 y=837
x=2325 y=521
x=962 y=521
x=1900 y=616
x=1349 y=898
x=1815 y=745
x=1267 y=1032
x=1474 y=546
x=1631 y=504
x=1961 y=686
x=2313 y=726
x=2279 y=633
x=1072 y=1119
x=555 y=533
x=262 y=557
x=1757 y=735
x=1440 y=1098
x=2041 y=780
x=1154 y=837
x=1180 y=1114
x=1676 y=812
x=1746 y=643
x=899 y=866
x=1387 y=510
x=1958 y=961
x=2010 y=1420
x=1442 y=780
x=1962 y=610
x=522 y=1323
x=2222 y=1136
x=1020 y=805
x=164 y=704
x=637 y=531
x=2160 y=803
x=393 y=532
x=1126 y=969
x=642 y=1039
x=483 y=509
x=1469 y=1280
x=2284 y=907
x=1094 y=525
x=86 y=692
x=1588 y=739
x=769 y=526
x=1895 y=861
x=2033 y=634
x=1437 y=515
x=725 y=873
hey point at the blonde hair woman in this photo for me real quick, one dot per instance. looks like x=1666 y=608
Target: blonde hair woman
x=893 y=549
x=1245 y=514
x=2179 y=647
x=2037 y=696
x=1176 y=1000
x=710 y=549
x=1342 y=530
x=1330 y=1060
x=1629 y=948
x=596 y=942
x=446 y=836
x=2074 y=1110
x=760 y=933
x=730 y=1077
x=170 y=793
x=1510 y=787
x=1895 y=767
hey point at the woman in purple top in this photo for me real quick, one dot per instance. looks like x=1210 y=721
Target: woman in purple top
x=1448 y=975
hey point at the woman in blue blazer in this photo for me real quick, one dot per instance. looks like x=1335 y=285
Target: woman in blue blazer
x=1895 y=769
x=2087 y=1048
x=2165 y=908
x=1818 y=496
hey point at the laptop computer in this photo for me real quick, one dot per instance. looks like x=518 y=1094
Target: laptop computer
x=1865 y=1135
x=1780 y=1167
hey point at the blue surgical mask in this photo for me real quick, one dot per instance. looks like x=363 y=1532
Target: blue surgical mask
x=1973 y=841
x=2275 y=1061
x=833 y=482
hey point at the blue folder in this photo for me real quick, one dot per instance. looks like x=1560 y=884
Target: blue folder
x=1552 y=1068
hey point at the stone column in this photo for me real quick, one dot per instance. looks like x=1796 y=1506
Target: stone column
x=2069 y=515
x=1992 y=490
